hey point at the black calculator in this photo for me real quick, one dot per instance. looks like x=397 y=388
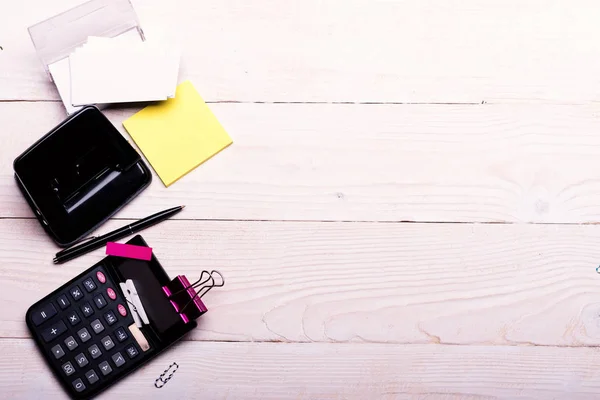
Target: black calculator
x=86 y=329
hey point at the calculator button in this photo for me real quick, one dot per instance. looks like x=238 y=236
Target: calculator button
x=76 y=293
x=94 y=351
x=107 y=343
x=91 y=376
x=89 y=285
x=43 y=314
x=84 y=335
x=131 y=351
x=110 y=317
x=78 y=385
x=97 y=326
x=63 y=302
x=71 y=343
x=122 y=310
x=118 y=359
x=105 y=368
x=73 y=318
x=87 y=310
x=54 y=331
x=111 y=293
x=57 y=351
x=121 y=334
x=101 y=277
x=81 y=360
x=68 y=368
x=100 y=301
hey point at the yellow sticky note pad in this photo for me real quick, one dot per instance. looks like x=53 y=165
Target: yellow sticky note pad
x=178 y=134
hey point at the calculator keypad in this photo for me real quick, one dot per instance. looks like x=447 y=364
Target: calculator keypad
x=131 y=351
x=76 y=293
x=68 y=368
x=97 y=326
x=111 y=293
x=110 y=318
x=84 y=335
x=57 y=351
x=105 y=368
x=91 y=376
x=100 y=301
x=121 y=334
x=89 y=285
x=79 y=385
x=54 y=331
x=101 y=277
x=118 y=359
x=41 y=315
x=87 y=310
x=81 y=360
x=94 y=351
x=107 y=343
x=73 y=318
x=71 y=343
x=85 y=326
x=63 y=302
x=122 y=310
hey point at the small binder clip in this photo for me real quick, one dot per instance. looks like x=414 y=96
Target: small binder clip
x=186 y=298
x=135 y=304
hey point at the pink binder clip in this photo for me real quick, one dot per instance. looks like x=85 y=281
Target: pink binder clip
x=186 y=298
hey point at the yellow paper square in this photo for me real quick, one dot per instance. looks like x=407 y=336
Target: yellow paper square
x=178 y=134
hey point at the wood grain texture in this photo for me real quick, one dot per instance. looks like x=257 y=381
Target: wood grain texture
x=328 y=371
x=367 y=308
x=354 y=282
x=481 y=163
x=354 y=50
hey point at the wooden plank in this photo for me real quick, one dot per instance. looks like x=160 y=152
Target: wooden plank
x=354 y=50
x=333 y=371
x=498 y=163
x=354 y=282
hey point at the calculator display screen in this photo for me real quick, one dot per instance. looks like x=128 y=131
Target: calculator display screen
x=148 y=282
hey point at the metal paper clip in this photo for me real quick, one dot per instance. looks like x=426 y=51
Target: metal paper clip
x=164 y=381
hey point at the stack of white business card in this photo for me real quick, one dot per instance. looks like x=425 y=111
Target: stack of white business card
x=117 y=70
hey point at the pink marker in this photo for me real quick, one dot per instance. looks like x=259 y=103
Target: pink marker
x=129 y=251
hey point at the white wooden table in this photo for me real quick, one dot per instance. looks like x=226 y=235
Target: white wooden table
x=409 y=209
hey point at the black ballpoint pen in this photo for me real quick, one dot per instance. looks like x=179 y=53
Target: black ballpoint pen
x=95 y=243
